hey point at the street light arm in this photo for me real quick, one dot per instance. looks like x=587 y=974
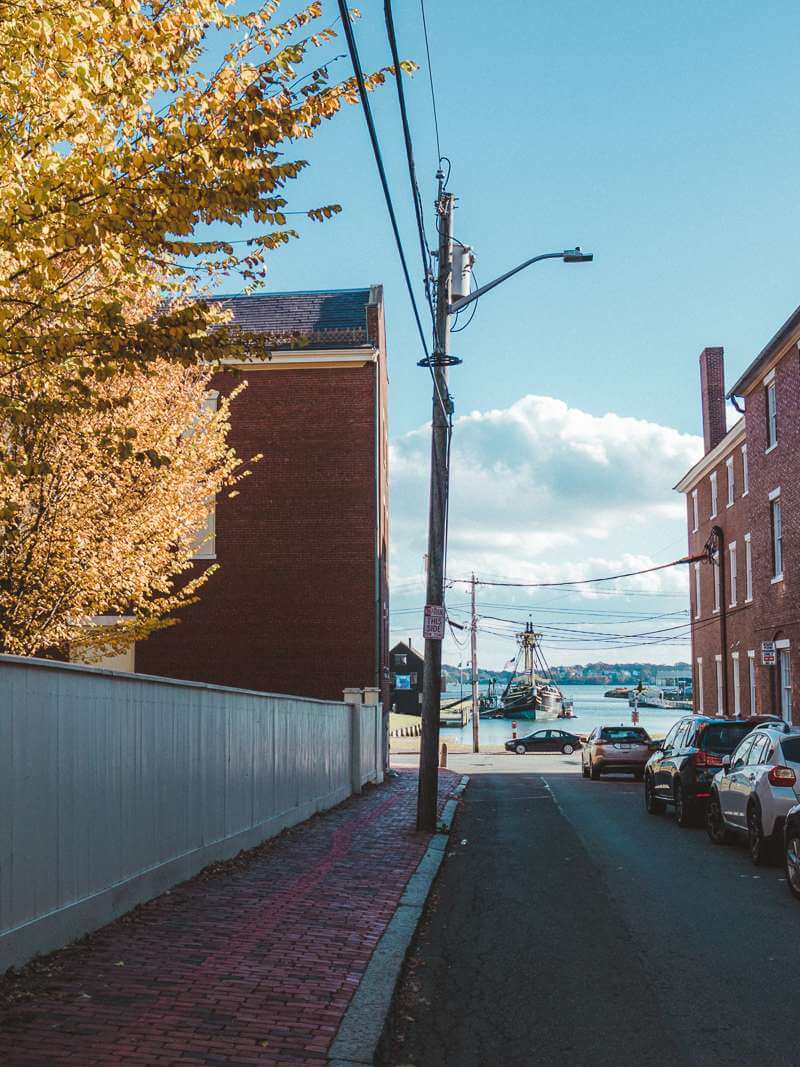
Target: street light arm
x=570 y=255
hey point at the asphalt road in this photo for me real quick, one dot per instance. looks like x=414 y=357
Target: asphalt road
x=567 y=926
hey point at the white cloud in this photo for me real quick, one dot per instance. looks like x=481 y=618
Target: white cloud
x=544 y=492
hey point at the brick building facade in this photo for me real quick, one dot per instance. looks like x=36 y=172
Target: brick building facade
x=742 y=497
x=300 y=602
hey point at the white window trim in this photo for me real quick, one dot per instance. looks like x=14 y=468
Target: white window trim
x=731 y=486
x=751 y=679
x=769 y=382
x=697 y=604
x=783 y=643
x=717 y=601
x=695 y=512
x=734 y=574
x=769 y=377
x=748 y=569
x=745 y=472
x=720 y=680
x=714 y=494
x=773 y=496
x=737 y=685
x=700 y=684
x=206 y=549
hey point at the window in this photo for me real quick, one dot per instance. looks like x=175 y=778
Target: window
x=761 y=746
x=751 y=663
x=741 y=756
x=400 y=660
x=732 y=559
x=713 y=479
x=695 y=514
x=772 y=416
x=206 y=537
x=731 y=483
x=720 y=699
x=777 y=535
x=748 y=569
x=737 y=695
x=785 y=665
x=700 y=684
x=715 y=565
x=697 y=590
x=745 y=472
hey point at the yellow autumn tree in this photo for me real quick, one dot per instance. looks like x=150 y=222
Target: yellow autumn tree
x=121 y=132
x=90 y=532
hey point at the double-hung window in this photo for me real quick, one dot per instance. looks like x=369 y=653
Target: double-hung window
x=772 y=414
x=700 y=684
x=732 y=567
x=713 y=479
x=697 y=606
x=715 y=563
x=695 y=512
x=751 y=663
x=731 y=482
x=737 y=694
x=720 y=685
x=745 y=472
x=777 y=534
x=748 y=569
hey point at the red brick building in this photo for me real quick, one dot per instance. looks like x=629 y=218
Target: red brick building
x=743 y=496
x=300 y=602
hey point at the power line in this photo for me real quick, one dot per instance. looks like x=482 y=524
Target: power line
x=584 y=581
x=430 y=79
x=412 y=172
x=373 y=136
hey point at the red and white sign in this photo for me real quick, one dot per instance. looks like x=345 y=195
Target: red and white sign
x=433 y=623
x=768 y=655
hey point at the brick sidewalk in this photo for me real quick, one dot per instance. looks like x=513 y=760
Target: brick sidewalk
x=254 y=962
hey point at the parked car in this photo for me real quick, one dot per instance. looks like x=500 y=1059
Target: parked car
x=616 y=748
x=791 y=850
x=755 y=790
x=681 y=770
x=545 y=741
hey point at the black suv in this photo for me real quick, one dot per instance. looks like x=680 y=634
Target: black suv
x=680 y=771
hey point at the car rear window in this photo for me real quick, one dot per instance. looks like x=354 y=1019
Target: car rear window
x=723 y=738
x=624 y=733
x=791 y=749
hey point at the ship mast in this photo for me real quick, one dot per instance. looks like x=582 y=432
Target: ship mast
x=528 y=639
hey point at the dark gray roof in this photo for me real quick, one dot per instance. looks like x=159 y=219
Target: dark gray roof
x=766 y=354
x=334 y=318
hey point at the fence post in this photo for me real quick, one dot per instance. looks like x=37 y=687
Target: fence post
x=352 y=697
x=371 y=694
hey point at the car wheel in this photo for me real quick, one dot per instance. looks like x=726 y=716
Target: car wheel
x=715 y=824
x=567 y=750
x=584 y=770
x=594 y=771
x=793 y=864
x=757 y=844
x=684 y=815
x=520 y=750
x=652 y=803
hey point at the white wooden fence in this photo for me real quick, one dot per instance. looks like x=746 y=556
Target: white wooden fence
x=114 y=787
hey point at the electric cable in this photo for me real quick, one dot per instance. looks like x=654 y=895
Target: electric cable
x=412 y=172
x=430 y=79
x=376 y=149
x=585 y=581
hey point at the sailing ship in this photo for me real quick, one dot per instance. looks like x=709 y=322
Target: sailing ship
x=528 y=696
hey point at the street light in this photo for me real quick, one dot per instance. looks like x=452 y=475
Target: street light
x=569 y=255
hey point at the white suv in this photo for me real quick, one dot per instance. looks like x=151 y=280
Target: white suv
x=752 y=794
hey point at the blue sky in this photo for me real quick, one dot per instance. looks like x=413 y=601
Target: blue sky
x=661 y=136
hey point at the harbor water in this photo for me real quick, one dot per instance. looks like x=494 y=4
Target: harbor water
x=592 y=708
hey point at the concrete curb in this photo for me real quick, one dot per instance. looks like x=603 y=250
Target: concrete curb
x=357 y=1038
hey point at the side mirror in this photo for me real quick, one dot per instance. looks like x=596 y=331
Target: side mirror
x=726 y=764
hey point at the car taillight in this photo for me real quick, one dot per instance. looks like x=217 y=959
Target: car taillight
x=707 y=759
x=781 y=776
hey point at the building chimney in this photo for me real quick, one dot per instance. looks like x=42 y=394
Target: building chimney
x=712 y=391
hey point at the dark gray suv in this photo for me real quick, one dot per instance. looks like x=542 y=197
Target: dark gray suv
x=681 y=770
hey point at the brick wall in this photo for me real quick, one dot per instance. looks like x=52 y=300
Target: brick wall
x=292 y=608
x=774 y=614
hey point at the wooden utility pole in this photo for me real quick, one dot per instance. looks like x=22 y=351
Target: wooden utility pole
x=476 y=725
x=437 y=521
